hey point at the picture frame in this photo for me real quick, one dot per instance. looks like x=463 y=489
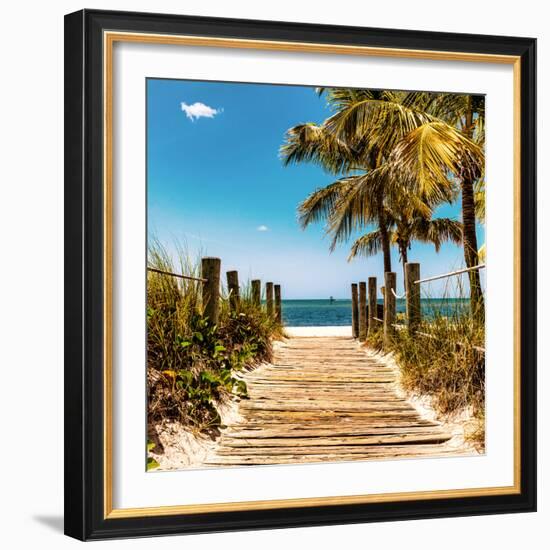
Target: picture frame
x=90 y=36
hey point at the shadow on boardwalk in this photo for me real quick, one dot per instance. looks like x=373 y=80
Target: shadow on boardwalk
x=326 y=399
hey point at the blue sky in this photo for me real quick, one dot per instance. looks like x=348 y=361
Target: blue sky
x=215 y=184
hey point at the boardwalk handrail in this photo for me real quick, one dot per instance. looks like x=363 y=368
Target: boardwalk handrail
x=436 y=277
x=397 y=295
x=180 y=276
x=450 y=274
x=210 y=269
x=413 y=305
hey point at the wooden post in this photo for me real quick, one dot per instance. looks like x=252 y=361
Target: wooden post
x=389 y=304
x=362 y=311
x=383 y=292
x=373 y=309
x=414 y=314
x=278 y=310
x=233 y=288
x=354 y=311
x=269 y=298
x=210 y=270
x=256 y=292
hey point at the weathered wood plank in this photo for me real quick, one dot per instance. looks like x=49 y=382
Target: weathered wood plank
x=323 y=405
x=269 y=433
x=336 y=423
x=324 y=399
x=341 y=441
x=382 y=453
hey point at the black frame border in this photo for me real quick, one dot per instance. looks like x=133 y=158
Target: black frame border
x=84 y=288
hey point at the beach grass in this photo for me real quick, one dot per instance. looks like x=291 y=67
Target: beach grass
x=444 y=359
x=192 y=365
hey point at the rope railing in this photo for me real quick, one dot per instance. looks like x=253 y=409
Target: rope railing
x=436 y=277
x=397 y=295
x=461 y=344
x=412 y=295
x=450 y=274
x=180 y=276
x=211 y=295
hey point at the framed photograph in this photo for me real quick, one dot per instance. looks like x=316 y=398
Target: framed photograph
x=300 y=274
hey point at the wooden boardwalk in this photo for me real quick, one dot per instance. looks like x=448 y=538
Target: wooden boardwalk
x=325 y=399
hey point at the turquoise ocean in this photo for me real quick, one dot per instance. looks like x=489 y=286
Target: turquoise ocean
x=317 y=313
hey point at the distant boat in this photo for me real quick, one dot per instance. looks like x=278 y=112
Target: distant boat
x=332 y=300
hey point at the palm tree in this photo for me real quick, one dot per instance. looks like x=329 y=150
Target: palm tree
x=406 y=229
x=312 y=143
x=430 y=142
x=408 y=216
x=360 y=198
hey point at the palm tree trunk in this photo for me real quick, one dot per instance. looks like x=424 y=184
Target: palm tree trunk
x=470 y=246
x=384 y=235
x=469 y=228
x=404 y=260
x=385 y=238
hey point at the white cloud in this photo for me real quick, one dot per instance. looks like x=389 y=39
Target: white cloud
x=262 y=228
x=198 y=110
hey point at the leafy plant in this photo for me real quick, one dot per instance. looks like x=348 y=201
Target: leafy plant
x=193 y=365
x=151 y=462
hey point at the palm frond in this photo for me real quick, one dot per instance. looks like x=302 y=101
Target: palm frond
x=437 y=231
x=341 y=98
x=312 y=143
x=366 y=245
x=379 y=122
x=358 y=206
x=400 y=200
x=451 y=108
x=482 y=253
x=478 y=135
x=429 y=154
x=320 y=204
x=479 y=200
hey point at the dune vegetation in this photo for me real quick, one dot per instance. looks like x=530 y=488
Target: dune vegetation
x=193 y=366
x=444 y=359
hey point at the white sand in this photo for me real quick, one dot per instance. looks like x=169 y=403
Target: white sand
x=177 y=447
x=318 y=331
